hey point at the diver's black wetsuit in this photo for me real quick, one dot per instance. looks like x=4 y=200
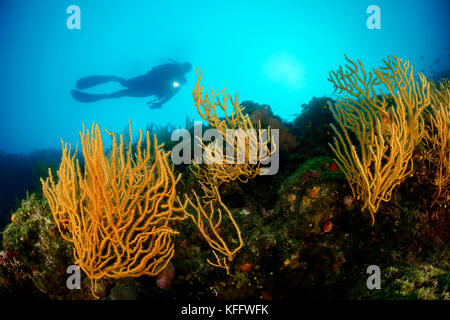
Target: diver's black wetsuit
x=162 y=81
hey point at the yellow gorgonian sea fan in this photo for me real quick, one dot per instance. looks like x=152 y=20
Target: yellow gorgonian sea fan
x=208 y=218
x=380 y=124
x=437 y=139
x=117 y=210
x=249 y=144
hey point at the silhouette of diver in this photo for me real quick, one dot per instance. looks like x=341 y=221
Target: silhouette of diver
x=162 y=81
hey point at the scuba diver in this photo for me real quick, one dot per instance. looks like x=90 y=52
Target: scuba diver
x=162 y=81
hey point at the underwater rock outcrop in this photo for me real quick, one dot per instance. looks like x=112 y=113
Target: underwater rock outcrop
x=264 y=114
x=35 y=257
x=299 y=234
x=310 y=193
x=312 y=126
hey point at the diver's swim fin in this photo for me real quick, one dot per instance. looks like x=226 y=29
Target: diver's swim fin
x=87 y=97
x=91 y=81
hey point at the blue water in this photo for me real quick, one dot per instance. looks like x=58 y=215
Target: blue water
x=273 y=52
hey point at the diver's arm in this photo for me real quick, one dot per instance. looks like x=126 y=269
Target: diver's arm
x=155 y=104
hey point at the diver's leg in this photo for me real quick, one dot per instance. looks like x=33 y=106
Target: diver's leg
x=125 y=93
x=91 y=81
x=142 y=82
x=123 y=82
x=120 y=94
x=89 y=97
